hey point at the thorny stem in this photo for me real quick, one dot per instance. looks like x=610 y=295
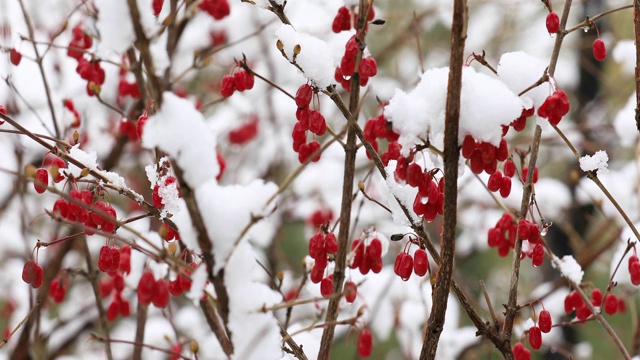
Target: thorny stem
x=444 y=272
x=347 y=190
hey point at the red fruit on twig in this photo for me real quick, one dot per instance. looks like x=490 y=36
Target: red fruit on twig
x=599 y=50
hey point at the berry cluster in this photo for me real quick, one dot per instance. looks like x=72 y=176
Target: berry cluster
x=32 y=274
x=182 y=282
x=555 y=107
x=612 y=304
x=320 y=246
x=117 y=264
x=153 y=291
x=127 y=88
x=429 y=201
x=320 y=217
x=367 y=255
x=308 y=120
x=15 y=57
x=379 y=128
x=503 y=235
x=93 y=73
x=218 y=9
x=531 y=232
x=240 y=80
x=405 y=264
x=368 y=66
x=246 y=132
x=128 y=129
x=342 y=21
x=484 y=156
x=80 y=42
x=521 y=122
x=100 y=215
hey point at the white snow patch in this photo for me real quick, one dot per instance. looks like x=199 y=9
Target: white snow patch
x=314 y=59
x=569 y=268
x=599 y=161
x=520 y=70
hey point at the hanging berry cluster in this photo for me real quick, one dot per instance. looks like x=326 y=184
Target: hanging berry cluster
x=182 y=282
x=343 y=20
x=41 y=176
x=429 y=201
x=239 y=79
x=153 y=291
x=405 y=264
x=116 y=263
x=555 y=107
x=89 y=70
x=218 y=9
x=308 y=120
x=367 y=255
x=542 y=324
x=320 y=217
x=531 y=232
x=368 y=66
x=321 y=245
x=32 y=274
x=379 y=128
x=503 y=235
x=520 y=352
x=94 y=215
x=634 y=269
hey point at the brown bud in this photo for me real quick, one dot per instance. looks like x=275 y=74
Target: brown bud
x=194 y=347
x=30 y=171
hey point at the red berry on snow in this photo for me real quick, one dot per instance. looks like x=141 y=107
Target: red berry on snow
x=599 y=50
x=157 y=6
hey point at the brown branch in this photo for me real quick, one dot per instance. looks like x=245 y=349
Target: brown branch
x=444 y=272
x=215 y=326
x=636 y=27
x=141 y=321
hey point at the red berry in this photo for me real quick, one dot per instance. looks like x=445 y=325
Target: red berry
x=41 y=180
x=374 y=250
x=316 y=245
x=596 y=297
x=553 y=23
x=403 y=266
x=239 y=80
x=303 y=96
x=157 y=6
x=228 y=86
x=146 y=288
x=520 y=352
x=317 y=123
x=538 y=255
x=509 y=168
x=495 y=181
x=505 y=187
x=544 y=321
x=29 y=271
x=350 y=291
x=161 y=298
x=317 y=272
x=125 y=308
x=174 y=287
x=326 y=286
x=365 y=342
x=622 y=306
x=599 y=50
x=57 y=290
x=610 y=304
x=330 y=243
x=420 y=262
x=368 y=67
x=502 y=153
x=15 y=57
x=535 y=338
x=468 y=146
x=569 y=306
x=113 y=310
x=105 y=259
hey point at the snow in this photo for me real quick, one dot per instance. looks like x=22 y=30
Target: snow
x=624 y=53
x=569 y=268
x=486 y=105
x=179 y=130
x=198 y=282
x=314 y=59
x=625 y=123
x=114 y=39
x=519 y=70
x=598 y=162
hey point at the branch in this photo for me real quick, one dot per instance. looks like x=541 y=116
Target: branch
x=451 y=156
x=636 y=26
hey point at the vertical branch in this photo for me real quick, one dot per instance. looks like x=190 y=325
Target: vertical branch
x=347 y=191
x=141 y=321
x=444 y=272
x=636 y=26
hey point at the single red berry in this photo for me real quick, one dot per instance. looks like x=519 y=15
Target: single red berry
x=569 y=306
x=29 y=271
x=520 y=352
x=41 y=180
x=505 y=187
x=553 y=23
x=365 y=342
x=374 y=250
x=303 y=96
x=57 y=290
x=317 y=272
x=420 y=262
x=326 y=286
x=634 y=271
x=610 y=304
x=317 y=123
x=468 y=146
x=524 y=229
x=174 y=287
x=146 y=288
x=502 y=153
x=368 y=67
x=622 y=305
x=157 y=6
x=535 y=338
x=105 y=259
x=317 y=245
x=330 y=243
x=596 y=297
x=403 y=266
x=228 y=86
x=495 y=181
x=15 y=56
x=113 y=310
x=350 y=291
x=544 y=321
x=161 y=298
x=125 y=308
x=509 y=168
x=239 y=80
x=599 y=50
x=537 y=257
